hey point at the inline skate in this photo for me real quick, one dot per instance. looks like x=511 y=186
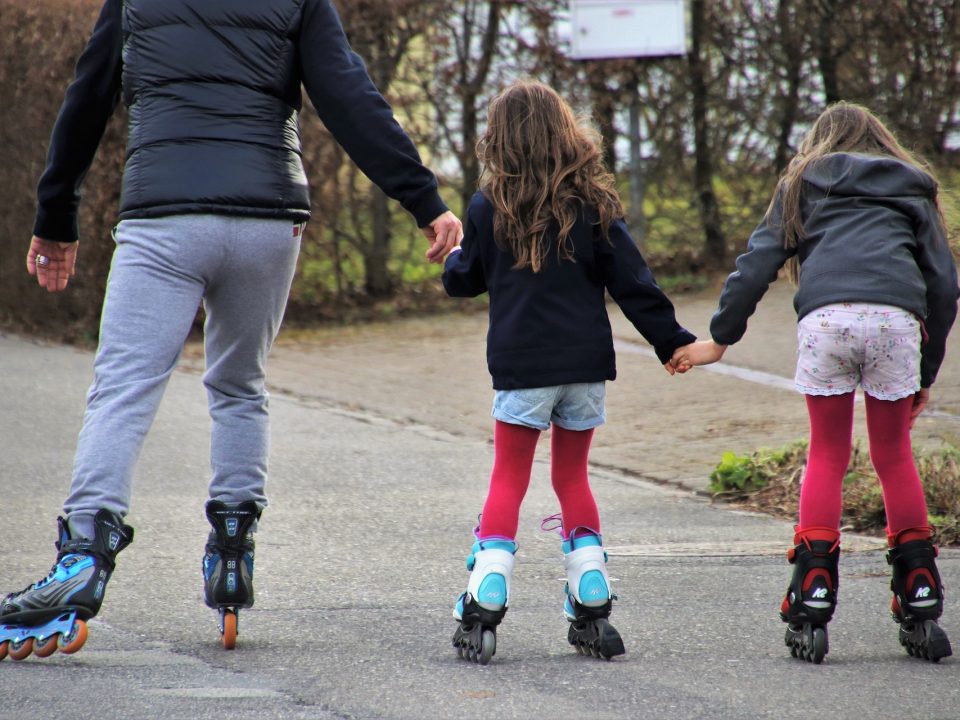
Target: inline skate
x=812 y=596
x=51 y=614
x=917 y=595
x=588 y=597
x=484 y=603
x=228 y=564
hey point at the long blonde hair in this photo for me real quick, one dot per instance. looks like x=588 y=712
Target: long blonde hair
x=842 y=127
x=541 y=165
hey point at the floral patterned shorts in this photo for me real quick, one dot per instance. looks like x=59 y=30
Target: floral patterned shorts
x=845 y=344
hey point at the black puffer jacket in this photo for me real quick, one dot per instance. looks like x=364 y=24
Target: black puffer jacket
x=213 y=90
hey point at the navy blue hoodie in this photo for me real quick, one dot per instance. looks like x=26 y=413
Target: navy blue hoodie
x=551 y=327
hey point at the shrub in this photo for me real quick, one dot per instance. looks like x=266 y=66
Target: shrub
x=769 y=481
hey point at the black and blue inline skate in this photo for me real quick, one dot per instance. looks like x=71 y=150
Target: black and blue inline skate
x=228 y=564
x=51 y=614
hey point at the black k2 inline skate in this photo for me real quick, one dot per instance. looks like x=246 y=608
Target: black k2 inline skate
x=51 y=614
x=589 y=599
x=918 y=596
x=812 y=596
x=228 y=564
x=481 y=608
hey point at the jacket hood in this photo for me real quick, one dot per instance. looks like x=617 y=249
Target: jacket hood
x=871 y=175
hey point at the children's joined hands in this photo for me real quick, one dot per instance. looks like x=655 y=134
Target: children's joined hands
x=702 y=352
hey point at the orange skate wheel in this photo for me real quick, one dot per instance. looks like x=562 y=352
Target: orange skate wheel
x=229 y=629
x=20 y=650
x=3 y=649
x=69 y=644
x=46 y=647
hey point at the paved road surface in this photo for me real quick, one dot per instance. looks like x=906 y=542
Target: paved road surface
x=375 y=482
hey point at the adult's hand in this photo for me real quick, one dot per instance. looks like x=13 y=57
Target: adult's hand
x=444 y=233
x=53 y=263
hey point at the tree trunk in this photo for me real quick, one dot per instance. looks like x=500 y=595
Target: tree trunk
x=638 y=181
x=604 y=109
x=470 y=88
x=826 y=13
x=791 y=43
x=715 y=244
x=377 y=280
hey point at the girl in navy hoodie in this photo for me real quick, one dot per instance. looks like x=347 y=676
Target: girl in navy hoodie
x=856 y=221
x=545 y=238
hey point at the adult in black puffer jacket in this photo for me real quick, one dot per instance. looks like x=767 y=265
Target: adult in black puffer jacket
x=213 y=205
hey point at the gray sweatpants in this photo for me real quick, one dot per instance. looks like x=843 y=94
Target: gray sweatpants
x=162 y=269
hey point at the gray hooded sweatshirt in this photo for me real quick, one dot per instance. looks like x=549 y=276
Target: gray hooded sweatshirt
x=871 y=234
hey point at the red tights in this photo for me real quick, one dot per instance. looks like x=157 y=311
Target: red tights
x=514 y=447
x=888 y=428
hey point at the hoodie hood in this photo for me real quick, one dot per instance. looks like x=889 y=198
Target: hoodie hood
x=870 y=175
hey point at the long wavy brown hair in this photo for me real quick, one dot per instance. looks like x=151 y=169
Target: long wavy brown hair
x=842 y=127
x=540 y=166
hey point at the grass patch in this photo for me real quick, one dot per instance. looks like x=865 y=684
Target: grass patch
x=769 y=481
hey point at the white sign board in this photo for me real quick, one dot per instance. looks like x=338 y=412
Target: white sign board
x=627 y=28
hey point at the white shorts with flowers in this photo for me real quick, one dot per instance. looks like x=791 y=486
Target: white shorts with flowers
x=845 y=344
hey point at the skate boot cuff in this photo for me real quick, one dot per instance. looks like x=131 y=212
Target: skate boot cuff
x=111 y=536
x=906 y=535
x=812 y=594
x=820 y=533
x=916 y=584
x=232 y=524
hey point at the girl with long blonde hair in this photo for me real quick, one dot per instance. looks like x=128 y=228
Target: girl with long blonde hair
x=856 y=220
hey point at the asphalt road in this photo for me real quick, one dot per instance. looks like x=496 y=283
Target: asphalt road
x=361 y=555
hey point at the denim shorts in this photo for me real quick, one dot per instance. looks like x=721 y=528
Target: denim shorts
x=845 y=344
x=578 y=406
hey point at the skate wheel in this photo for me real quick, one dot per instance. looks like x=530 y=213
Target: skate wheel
x=46 y=647
x=819 y=646
x=20 y=650
x=488 y=646
x=73 y=641
x=229 y=629
x=3 y=649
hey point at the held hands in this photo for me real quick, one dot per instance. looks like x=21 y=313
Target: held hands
x=53 y=263
x=702 y=352
x=444 y=234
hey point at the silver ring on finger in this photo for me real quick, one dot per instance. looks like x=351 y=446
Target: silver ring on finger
x=42 y=260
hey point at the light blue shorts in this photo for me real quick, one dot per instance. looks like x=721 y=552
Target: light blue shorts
x=845 y=344
x=578 y=406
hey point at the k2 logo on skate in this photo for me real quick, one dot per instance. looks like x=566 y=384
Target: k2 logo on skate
x=820 y=593
x=923 y=592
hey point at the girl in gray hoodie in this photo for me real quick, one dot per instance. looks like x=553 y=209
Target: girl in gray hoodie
x=857 y=223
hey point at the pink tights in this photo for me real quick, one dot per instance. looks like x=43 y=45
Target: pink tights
x=888 y=428
x=514 y=447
